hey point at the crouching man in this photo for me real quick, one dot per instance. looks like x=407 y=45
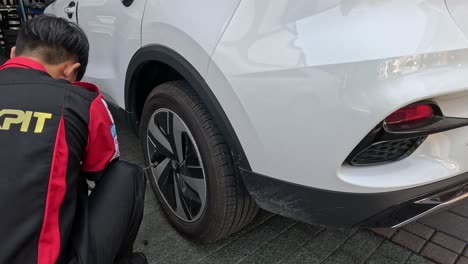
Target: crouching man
x=55 y=133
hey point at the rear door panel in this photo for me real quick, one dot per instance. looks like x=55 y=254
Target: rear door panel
x=114 y=32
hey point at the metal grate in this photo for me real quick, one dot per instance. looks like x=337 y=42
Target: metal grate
x=386 y=151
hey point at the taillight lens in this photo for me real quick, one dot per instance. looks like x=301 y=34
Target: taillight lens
x=410 y=113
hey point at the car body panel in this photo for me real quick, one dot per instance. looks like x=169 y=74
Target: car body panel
x=303 y=82
x=114 y=33
x=458 y=9
x=173 y=24
x=310 y=80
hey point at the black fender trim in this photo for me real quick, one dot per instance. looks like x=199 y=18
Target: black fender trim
x=162 y=54
x=342 y=209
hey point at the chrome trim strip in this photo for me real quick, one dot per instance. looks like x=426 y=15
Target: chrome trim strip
x=440 y=201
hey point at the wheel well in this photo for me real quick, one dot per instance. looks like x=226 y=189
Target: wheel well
x=146 y=78
x=153 y=65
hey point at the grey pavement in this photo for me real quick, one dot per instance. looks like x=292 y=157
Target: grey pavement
x=268 y=239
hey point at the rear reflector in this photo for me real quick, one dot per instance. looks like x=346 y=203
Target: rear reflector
x=410 y=113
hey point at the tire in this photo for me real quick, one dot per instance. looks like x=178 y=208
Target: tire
x=177 y=112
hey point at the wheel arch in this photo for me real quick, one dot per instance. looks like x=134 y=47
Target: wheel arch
x=172 y=66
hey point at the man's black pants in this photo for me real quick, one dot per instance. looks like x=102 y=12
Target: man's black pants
x=109 y=219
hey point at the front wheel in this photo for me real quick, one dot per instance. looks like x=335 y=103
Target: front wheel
x=194 y=179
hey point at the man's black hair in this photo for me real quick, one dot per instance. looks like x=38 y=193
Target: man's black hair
x=55 y=40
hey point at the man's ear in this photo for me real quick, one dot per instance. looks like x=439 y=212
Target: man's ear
x=13 y=52
x=71 y=72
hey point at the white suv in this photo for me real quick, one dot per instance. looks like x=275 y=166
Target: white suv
x=338 y=113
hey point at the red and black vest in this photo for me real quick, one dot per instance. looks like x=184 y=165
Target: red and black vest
x=50 y=130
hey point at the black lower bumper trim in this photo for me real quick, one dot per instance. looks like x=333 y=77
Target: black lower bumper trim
x=340 y=209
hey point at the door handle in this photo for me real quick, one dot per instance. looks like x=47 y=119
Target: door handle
x=70 y=9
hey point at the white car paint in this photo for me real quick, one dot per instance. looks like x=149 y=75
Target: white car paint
x=314 y=78
x=458 y=11
x=174 y=24
x=58 y=8
x=302 y=82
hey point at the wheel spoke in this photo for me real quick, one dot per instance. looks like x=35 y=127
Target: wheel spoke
x=181 y=209
x=178 y=131
x=159 y=140
x=161 y=168
x=192 y=171
x=191 y=156
x=151 y=146
x=162 y=119
x=193 y=167
x=197 y=185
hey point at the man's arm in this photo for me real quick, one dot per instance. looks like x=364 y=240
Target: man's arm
x=102 y=147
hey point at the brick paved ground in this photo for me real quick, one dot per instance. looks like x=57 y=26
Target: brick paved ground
x=441 y=237
x=275 y=239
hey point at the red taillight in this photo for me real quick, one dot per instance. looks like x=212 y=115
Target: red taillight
x=410 y=113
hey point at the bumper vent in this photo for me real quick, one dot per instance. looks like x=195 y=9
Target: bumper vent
x=401 y=133
x=386 y=151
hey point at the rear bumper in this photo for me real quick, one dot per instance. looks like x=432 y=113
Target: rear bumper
x=341 y=209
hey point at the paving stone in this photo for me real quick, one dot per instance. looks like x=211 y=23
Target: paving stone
x=465 y=252
x=389 y=252
x=283 y=244
x=439 y=254
x=149 y=195
x=357 y=249
x=150 y=207
x=461 y=208
x=250 y=242
x=193 y=251
x=420 y=230
x=416 y=259
x=385 y=232
x=449 y=223
x=170 y=244
x=462 y=260
x=175 y=248
x=409 y=240
x=197 y=252
x=448 y=242
x=154 y=228
x=320 y=247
